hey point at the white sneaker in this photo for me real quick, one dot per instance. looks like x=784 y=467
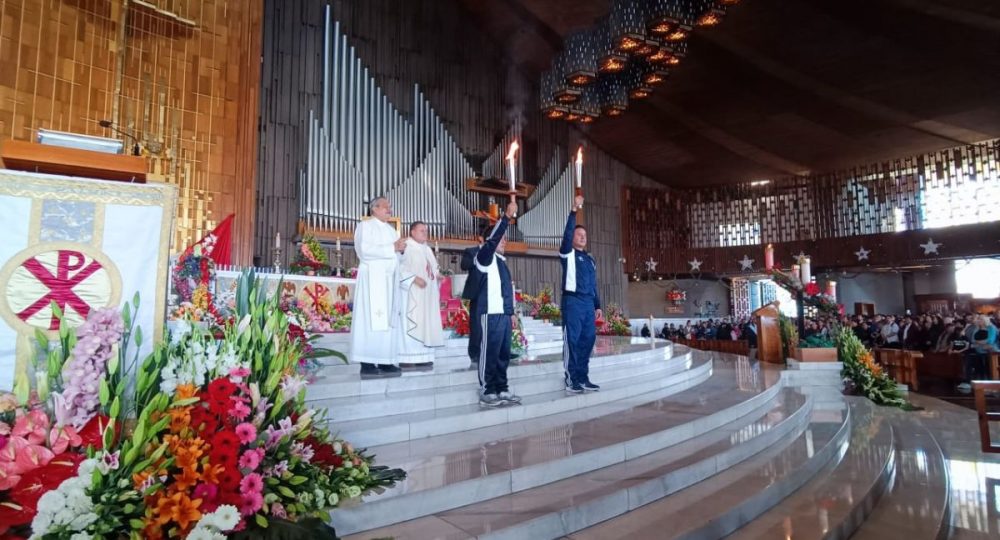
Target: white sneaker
x=508 y=398
x=964 y=388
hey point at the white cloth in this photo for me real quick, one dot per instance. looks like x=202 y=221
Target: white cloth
x=421 y=314
x=375 y=297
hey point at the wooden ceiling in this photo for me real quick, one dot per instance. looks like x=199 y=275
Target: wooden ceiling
x=789 y=87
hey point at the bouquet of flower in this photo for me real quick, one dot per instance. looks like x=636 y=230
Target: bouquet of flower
x=322 y=316
x=458 y=322
x=540 y=306
x=615 y=322
x=518 y=341
x=311 y=259
x=863 y=375
x=204 y=438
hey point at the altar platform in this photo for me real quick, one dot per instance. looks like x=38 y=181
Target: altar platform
x=679 y=443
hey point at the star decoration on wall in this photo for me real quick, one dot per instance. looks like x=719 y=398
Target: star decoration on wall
x=651 y=265
x=695 y=265
x=799 y=257
x=746 y=263
x=862 y=253
x=931 y=247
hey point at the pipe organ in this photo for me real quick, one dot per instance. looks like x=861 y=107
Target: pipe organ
x=361 y=147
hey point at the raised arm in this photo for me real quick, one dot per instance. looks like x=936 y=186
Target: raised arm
x=489 y=247
x=567 y=241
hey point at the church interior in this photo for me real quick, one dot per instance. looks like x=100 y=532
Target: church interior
x=340 y=269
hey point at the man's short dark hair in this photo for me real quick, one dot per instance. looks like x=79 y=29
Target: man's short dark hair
x=579 y=227
x=415 y=224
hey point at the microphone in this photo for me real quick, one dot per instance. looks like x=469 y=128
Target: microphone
x=108 y=124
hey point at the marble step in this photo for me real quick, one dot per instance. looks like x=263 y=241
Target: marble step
x=916 y=506
x=721 y=504
x=542 y=462
x=838 y=499
x=623 y=358
x=466 y=391
x=428 y=423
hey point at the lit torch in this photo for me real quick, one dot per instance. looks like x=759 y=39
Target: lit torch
x=512 y=168
x=579 y=171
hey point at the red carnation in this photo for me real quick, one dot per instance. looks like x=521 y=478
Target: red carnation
x=203 y=420
x=812 y=289
x=225 y=447
x=219 y=395
x=229 y=481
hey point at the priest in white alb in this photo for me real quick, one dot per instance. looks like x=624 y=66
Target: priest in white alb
x=376 y=300
x=420 y=299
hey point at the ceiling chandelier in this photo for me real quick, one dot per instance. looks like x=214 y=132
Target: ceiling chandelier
x=623 y=57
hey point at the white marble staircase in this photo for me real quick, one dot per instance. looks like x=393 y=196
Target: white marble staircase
x=678 y=444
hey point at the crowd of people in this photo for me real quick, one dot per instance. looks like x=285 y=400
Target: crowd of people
x=973 y=336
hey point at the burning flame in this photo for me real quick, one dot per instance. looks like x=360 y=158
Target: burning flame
x=579 y=155
x=513 y=150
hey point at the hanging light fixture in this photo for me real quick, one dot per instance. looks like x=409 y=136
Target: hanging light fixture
x=670 y=20
x=580 y=58
x=550 y=107
x=609 y=60
x=710 y=13
x=613 y=95
x=655 y=75
x=588 y=108
x=634 y=79
x=563 y=92
x=628 y=29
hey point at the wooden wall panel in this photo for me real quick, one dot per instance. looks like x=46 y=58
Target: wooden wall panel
x=436 y=45
x=191 y=91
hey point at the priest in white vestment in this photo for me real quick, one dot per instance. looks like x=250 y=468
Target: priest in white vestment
x=376 y=300
x=420 y=298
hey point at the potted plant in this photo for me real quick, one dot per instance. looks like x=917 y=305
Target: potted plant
x=816 y=349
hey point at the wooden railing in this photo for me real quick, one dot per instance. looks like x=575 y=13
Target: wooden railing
x=717 y=345
x=979 y=389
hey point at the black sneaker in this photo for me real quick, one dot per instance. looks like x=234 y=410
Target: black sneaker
x=574 y=389
x=389 y=370
x=590 y=387
x=369 y=371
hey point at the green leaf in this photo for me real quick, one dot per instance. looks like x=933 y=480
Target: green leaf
x=296 y=480
x=109 y=433
x=113 y=365
x=282 y=529
x=286 y=492
x=42 y=339
x=261 y=521
x=138 y=336
x=103 y=392
x=136 y=524
x=185 y=402
x=116 y=408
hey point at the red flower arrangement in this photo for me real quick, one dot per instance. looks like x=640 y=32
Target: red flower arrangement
x=459 y=322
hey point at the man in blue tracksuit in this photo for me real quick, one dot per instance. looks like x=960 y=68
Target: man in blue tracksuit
x=470 y=292
x=581 y=305
x=494 y=307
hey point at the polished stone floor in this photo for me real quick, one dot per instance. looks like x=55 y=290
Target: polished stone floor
x=742 y=451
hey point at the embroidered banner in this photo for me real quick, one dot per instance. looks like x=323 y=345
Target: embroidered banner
x=81 y=244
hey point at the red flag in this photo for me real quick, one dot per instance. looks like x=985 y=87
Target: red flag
x=218 y=244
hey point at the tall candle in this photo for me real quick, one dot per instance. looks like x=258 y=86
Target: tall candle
x=806 y=270
x=831 y=288
x=652 y=332
x=338 y=243
x=796 y=271
x=579 y=168
x=277 y=239
x=512 y=166
x=436 y=250
x=769 y=257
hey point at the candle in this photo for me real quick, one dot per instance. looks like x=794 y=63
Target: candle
x=806 y=270
x=769 y=257
x=436 y=247
x=512 y=166
x=831 y=288
x=338 y=244
x=579 y=168
x=652 y=333
x=795 y=271
x=277 y=240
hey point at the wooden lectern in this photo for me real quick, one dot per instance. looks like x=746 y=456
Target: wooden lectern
x=44 y=158
x=768 y=333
